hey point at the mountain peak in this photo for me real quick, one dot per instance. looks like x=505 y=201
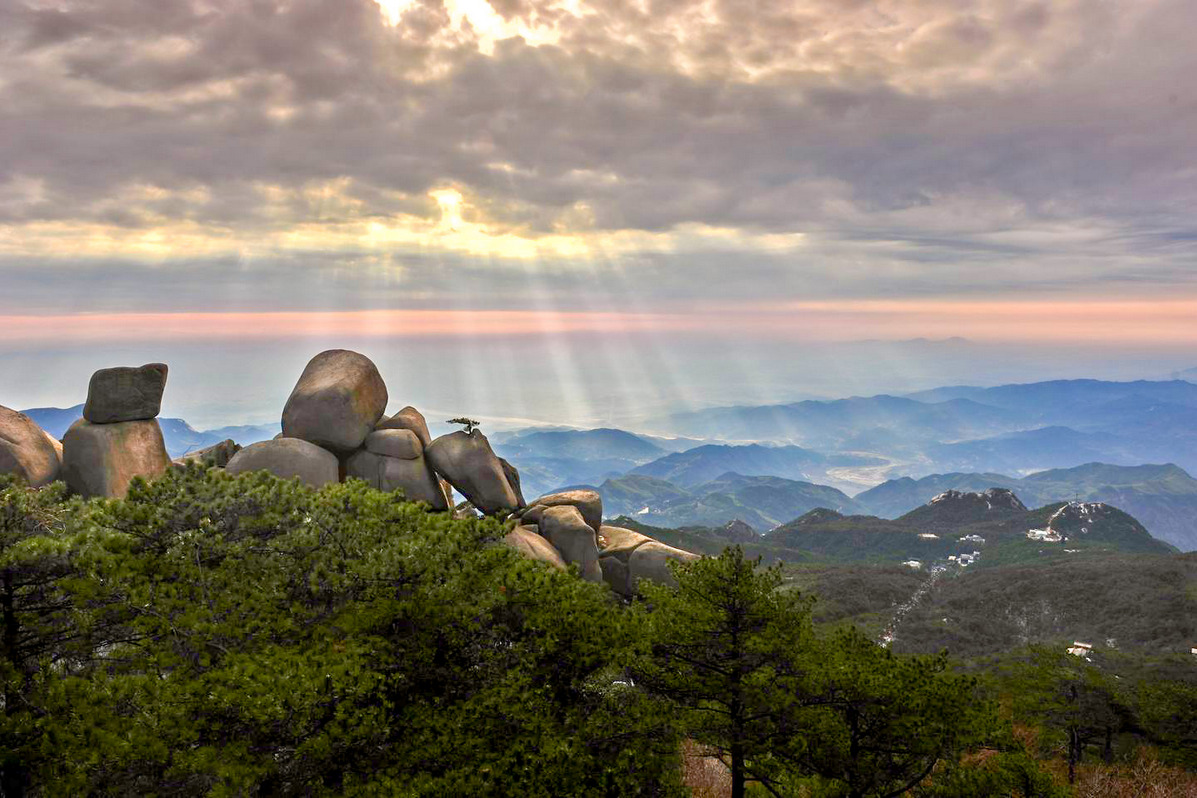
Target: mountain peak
x=819 y=515
x=994 y=499
x=738 y=531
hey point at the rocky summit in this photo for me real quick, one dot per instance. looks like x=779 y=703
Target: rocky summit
x=335 y=428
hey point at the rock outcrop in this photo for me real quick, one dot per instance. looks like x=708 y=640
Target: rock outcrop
x=125 y=393
x=337 y=401
x=288 y=458
x=412 y=476
x=468 y=463
x=26 y=450
x=401 y=443
x=588 y=502
x=334 y=429
x=572 y=522
x=626 y=557
x=102 y=459
x=567 y=530
x=528 y=542
x=410 y=419
x=218 y=454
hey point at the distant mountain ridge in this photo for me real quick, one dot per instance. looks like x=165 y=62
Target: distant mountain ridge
x=1017 y=427
x=762 y=502
x=995 y=525
x=1162 y=497
x=704 y=463
x=549 y=459
x=827 y=423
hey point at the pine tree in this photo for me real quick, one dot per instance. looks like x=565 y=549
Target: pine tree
x=733 y=650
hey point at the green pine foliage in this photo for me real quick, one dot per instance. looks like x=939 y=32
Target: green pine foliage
x=792 y=713
x=246 y=635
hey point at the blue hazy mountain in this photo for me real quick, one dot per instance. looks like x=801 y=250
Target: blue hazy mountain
x=1036 y=450
x=705 y=463
x=828 y=424
x=763 y=502
x=593 y=444
x=1018 y=428
x=549 y=459
x=1066 y=401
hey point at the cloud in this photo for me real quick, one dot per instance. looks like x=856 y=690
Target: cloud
x=690 y=150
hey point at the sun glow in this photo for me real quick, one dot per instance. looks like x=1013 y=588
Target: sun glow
x=480 y=18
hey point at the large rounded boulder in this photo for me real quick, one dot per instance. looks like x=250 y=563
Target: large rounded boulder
x=102 y=459
x=338 y=400
x=409 y=419
x=412 y=476
x=468 y=463
x=588 y=502
x=288 y=458
x=651 y=562
x=627 y=556
x=527 y=542
x=401 y=443
x=26 y=450
x=125 y=393
x=569 y=533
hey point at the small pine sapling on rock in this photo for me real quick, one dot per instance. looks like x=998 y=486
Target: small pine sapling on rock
x=470 y=424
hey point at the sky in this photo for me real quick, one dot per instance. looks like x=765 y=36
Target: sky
x=576 y=211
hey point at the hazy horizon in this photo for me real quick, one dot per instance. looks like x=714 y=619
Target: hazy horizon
x=570 y=380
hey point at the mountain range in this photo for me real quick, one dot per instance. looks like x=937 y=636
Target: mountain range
x=985 y=530
x=762 y=502
x=1162 y=497
x=1020 y=428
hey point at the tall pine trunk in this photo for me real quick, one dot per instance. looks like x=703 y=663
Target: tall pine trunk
x=737 y=770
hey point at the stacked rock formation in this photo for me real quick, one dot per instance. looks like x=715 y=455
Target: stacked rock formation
x=118 y=437
x=334 y=428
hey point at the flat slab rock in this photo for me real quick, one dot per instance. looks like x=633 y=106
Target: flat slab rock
x=102 y=459
x=627 y=556
x=339 y=398
x=125 y=393
x=288 y=458
x=27 y=450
